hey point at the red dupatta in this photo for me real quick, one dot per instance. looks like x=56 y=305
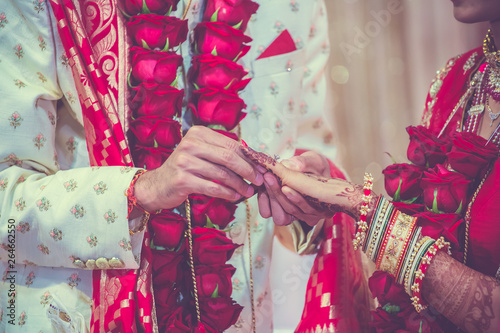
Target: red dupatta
x=95 y=47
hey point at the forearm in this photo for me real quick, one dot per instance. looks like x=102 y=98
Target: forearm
x=469 y=299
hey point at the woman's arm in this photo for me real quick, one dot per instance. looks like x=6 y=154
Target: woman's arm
x=469 y=299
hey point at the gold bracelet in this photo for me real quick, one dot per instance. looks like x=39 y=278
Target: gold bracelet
x=362 y=225
x=142 y=226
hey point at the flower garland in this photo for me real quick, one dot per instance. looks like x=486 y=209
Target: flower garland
x=155 y=131
x=436 y=188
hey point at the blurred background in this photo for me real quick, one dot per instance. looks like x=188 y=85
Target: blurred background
x=384 y=54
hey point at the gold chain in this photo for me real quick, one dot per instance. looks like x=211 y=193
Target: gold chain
x=468 y=217
x=251 y=263
x=186 y=10
x=191 y=259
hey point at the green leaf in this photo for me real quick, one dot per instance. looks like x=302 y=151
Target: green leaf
x=211 y=225
x=214 y=16
x=165 y=48
x=214 y=51
x=215 y=294
x=230 y=83
x=196 y=86
x=128 y=79
x=155 y=145
x=459 y=209
x=145 y=45
x=145 y=9
x=169 y=11
x=396 y=195
x=410 y=201
x=389 y=308
x=237 y=26
x=174 y=84
x=435 y=202
x=237 y=56
x=392 y=158
x=420 y=329
x=125 y=14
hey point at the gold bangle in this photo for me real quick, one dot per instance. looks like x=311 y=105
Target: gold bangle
x=142 y=226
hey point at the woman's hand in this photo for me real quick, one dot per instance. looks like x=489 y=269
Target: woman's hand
x=284 y=204
x=204 y=162
x=328 y=195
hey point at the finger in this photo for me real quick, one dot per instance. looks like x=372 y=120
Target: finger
x=278 y=199
x=193 y=184
x=264 y=205
x=221 y=174
x=310 y=162
x=223 y=151
x=298 y=200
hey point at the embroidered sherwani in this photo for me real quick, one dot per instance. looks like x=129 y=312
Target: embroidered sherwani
x=65 y=213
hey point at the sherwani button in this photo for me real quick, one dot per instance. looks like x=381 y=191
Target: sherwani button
x=102 y=263
x=90 y=264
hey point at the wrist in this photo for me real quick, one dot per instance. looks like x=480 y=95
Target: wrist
x=139 y=193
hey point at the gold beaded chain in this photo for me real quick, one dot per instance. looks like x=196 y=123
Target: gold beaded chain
x=191 y=260
x=467 y=214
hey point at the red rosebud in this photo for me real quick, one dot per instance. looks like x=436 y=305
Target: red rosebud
x=168 y=266
x=221 y=39
x=150 y=157
x=161 y=7
x=218 y=107
x=402 y=181
x=220 y=313
x=175 y=322
x=387 y=290
x=208 y=70
x=165 y=132
x=212 y=247
x=211 y=277
x=470 y=154
x=154 y=66
x=409 y=209
x=444 y=191
x=153 y=99
x=167 y=300
x=219 y=211
x=425 y=148
x=168 y=229
x=437 y=225
x=233 y=12
x=156 y=29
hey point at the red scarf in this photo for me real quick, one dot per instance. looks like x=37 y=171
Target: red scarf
x=92 y=45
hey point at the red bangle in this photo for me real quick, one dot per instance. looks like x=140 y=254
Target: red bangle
x=132 y=200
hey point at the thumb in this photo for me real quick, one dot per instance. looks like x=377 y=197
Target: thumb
x=294 y=163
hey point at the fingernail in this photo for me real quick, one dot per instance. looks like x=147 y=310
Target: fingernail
x=290 y=164
x=237 y=196
x=259 y=179
x=249 y=191
x=288 y=195
x=269 y=179
x=261 y=169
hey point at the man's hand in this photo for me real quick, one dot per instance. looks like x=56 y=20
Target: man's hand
x=285 y=204
x=204 y=162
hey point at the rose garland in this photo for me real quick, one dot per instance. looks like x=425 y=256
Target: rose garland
x=436 y=188
x=155 y=131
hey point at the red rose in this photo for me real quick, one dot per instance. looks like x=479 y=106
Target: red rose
x=154 y=66
x=402 y=181
x=425 y=148
x=470 y=154
x=156 y=29
x=444 y=191
x=134 y=7
x=168 y=229
x=150 y=157
x=208 y=70
x=236 y=13
x=212 y=247
x=384 y=287
x=409 y=209
x=175 y=323
x=167 y=300
x=437 y=225
x=384 y=322
x=152 y=99
x=230 y=135
x=165 y=132
x=168 y=266
x=220 y=313
x=219 y=211
x=221 y=39
x=211 y=277
x=218 y=107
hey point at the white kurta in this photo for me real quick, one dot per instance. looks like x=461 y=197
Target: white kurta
x=81 y=212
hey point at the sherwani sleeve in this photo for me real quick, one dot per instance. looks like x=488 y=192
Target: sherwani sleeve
x=61 y=218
